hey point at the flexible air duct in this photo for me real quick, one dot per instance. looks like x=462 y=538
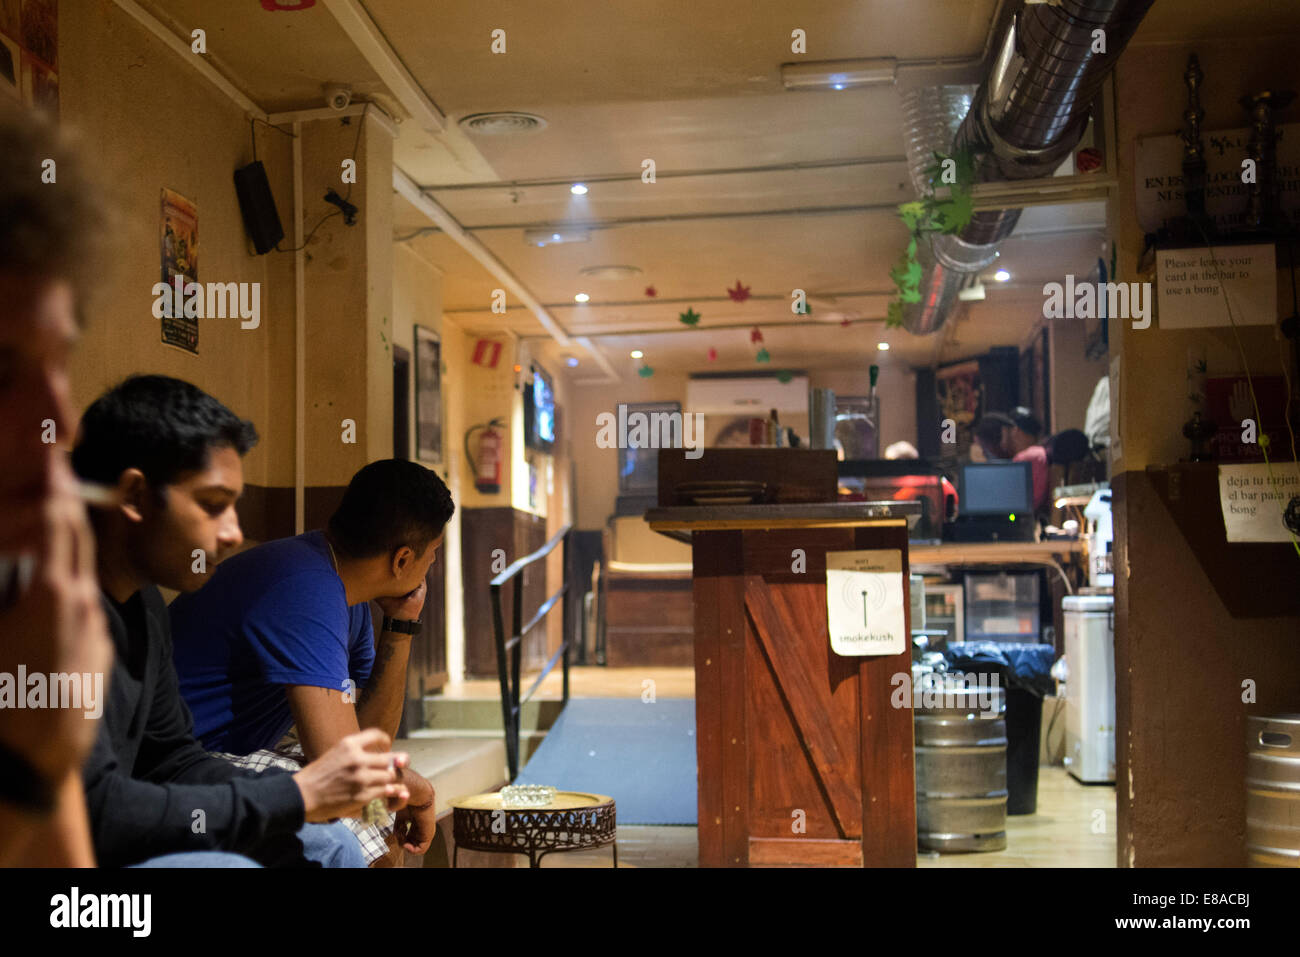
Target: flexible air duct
x=1027 y=116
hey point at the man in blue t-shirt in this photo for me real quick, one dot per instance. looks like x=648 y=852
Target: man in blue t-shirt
x=281 y=636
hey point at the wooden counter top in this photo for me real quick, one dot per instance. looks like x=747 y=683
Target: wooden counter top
x=995 y=553
x=829 y=515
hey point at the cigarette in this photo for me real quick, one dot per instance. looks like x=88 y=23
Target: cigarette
x=99 y=496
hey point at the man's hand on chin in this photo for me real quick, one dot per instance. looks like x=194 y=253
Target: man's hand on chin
x=405 y=607
x=417 y=822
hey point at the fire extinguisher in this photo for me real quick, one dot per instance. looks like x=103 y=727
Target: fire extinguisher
x=486 y=463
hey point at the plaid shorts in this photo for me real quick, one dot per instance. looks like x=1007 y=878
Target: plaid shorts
x=288 y=755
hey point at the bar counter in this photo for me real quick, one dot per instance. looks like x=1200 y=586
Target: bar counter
x=802 y=760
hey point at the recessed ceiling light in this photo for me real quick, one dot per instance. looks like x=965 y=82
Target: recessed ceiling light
x=1002 y=275
x=838 y=74
x=578 y=189
x=549 y=235
x=610 y=272
x=502 y=123
x=581 y=297
x=637 y=353
x=882 y=346
x=571 y=361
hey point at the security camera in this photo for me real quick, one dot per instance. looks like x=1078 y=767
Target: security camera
x=338 y=96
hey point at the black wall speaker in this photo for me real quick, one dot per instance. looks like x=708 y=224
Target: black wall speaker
x=258 y=207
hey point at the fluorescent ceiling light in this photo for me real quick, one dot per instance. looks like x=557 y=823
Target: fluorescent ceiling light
x=578 y=189
x=554 y=235
x=637 y=353
x=882 y=346
x=838 y=74
x=581 y=297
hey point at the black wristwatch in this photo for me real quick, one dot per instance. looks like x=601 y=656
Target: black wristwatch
x=21 y=784
x=402 y=626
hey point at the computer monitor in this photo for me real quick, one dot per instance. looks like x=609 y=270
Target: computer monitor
x=997 y=489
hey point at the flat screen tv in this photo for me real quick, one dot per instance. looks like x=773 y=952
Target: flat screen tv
x=539 y=412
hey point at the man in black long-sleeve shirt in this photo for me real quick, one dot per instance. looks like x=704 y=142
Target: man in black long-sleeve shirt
x=172 y=453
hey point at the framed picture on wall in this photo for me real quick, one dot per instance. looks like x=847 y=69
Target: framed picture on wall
x=428 y=396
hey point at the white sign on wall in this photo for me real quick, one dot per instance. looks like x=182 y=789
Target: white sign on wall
x=1191 y=294
x=1254 y=505
x=865 y=602
x=1160 y=176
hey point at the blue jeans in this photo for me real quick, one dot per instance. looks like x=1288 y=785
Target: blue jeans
x=199 y=859
x=330 y=845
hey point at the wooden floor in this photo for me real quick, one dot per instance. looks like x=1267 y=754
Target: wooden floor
x=1074 y=826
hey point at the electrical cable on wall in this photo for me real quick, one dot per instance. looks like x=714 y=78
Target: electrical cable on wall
x=342 y=210
x=1250 y=383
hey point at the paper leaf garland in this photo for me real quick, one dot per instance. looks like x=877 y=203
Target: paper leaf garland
x=651 y=292
x=713 y=355
x=763 y=356
x=689 y=318
x=645 y=371
x=739 y=293
x=756 y=335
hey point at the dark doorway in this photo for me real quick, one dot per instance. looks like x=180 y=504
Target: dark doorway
x=401 y=403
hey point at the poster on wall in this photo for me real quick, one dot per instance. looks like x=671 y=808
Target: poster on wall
x=961 y=398
x=428 y=396
x=178 y=230
x=29 y=52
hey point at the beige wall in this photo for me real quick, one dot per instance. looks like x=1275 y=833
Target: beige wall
x=151 y=122
x=597 y=468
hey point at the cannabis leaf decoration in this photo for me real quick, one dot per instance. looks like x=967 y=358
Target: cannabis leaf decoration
x=947 y=208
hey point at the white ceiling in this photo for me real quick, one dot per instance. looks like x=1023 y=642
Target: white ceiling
x=695 y=87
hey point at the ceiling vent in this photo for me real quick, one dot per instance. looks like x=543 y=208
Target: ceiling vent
x=507 y=123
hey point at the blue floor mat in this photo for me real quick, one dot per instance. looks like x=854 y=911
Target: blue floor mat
x=642 y=754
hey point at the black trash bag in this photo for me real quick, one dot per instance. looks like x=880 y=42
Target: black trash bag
x=1020 y=666
x=1024 y=670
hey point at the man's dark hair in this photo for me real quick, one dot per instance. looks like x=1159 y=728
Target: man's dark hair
x=1026 y=421
x=47 y=229
x=388 y=504
x=988 y=429
x=159 y=425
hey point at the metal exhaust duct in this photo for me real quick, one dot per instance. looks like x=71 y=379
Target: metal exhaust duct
x=1027 y=116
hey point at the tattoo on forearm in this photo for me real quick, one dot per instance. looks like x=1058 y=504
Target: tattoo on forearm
x=383 y=657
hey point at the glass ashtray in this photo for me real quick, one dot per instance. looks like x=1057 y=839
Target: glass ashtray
x=527 y=795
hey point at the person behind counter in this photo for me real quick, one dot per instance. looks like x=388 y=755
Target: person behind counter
x=1015 y=437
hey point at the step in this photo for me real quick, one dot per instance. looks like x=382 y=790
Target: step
x=529 y=741
x=484 y=714
x=456 y=765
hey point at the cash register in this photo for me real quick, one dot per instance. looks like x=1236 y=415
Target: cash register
x=997 y=503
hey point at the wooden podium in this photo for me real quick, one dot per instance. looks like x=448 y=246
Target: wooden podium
x=802 y=759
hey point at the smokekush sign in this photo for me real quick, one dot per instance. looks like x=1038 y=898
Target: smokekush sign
x=651 y=430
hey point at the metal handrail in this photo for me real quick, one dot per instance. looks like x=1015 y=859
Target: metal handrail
x=508 y=672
